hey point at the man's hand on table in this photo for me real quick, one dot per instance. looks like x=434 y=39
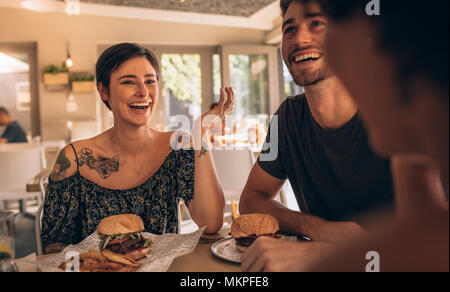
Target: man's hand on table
x=277 y=255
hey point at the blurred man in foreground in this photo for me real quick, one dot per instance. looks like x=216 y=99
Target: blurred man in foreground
x=403 y=96
x=323 y=149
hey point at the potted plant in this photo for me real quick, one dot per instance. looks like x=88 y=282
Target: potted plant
x=83 y=82
x=56 y=76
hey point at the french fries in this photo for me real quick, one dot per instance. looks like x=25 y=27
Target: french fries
x=106 y=261
x=117 y=258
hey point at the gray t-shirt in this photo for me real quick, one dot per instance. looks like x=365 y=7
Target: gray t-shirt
x=334 y=173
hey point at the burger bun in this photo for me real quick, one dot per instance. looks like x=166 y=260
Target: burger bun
x=120 y=224
x=254 y=224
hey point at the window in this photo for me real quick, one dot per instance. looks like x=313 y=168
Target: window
x=252 y=70
x=290 y=88
x=249 y=78
x=217 y=77
x=182 y=89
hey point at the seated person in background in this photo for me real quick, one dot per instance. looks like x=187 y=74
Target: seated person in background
x=131 y=168
x=13 y=132
x=322 y=145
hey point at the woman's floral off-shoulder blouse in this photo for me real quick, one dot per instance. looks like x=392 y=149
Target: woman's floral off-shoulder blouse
x=74 y=206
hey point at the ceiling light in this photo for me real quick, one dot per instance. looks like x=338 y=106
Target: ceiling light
x=69 y=62
x=72 y=7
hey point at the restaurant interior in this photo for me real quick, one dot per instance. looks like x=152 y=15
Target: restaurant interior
x=48 y=52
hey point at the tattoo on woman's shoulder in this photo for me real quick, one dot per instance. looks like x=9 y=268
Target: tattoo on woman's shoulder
x=104 y=166
x=62 y=164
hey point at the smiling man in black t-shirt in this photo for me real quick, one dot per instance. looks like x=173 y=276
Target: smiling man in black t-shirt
x=318 y=142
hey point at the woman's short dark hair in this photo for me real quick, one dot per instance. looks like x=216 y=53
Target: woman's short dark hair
x=414 y=33
x=114 y=56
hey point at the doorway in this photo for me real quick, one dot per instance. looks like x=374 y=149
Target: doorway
x=19 y=85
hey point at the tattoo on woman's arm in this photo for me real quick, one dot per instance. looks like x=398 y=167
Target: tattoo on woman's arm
x=104 y=166
x=62 y=164
x=205 y=148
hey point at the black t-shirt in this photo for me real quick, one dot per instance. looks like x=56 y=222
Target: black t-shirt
x=334 y=173
x=14 y=133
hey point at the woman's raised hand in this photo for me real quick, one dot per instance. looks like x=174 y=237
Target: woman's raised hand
x=224 y=108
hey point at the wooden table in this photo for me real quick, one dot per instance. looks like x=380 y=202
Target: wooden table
x=202 y=260
x=33 y=184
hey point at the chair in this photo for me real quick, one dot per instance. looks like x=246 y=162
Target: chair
x=38 y=218
x=7 y=222
x=17 y=166
x=233 y=168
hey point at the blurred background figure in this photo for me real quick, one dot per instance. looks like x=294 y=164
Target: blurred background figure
x=13 y=132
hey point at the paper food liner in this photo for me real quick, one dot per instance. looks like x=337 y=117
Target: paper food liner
x=164 y=250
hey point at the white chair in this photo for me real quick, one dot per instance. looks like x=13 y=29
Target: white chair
x=38 y=218
x=233 y=168
x=17 y=166
x=16 y=146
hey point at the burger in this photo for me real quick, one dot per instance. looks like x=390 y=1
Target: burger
x=247 y=228
x=122 y=235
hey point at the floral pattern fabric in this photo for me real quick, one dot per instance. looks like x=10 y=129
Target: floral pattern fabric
x=75 y=206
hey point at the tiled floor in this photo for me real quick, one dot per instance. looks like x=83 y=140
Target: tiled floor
x=24 y=229
x=25 y=236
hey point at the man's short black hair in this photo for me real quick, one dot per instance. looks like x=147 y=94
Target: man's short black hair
x=284 y=4
x=414 y=33
x=113 y=57
x=4 y=111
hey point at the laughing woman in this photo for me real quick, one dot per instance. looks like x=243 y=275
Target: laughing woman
x=131 y=168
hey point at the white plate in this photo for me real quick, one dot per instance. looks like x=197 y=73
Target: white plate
x=226 y=249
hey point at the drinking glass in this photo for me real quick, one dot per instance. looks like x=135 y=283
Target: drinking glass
x=6 y=234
